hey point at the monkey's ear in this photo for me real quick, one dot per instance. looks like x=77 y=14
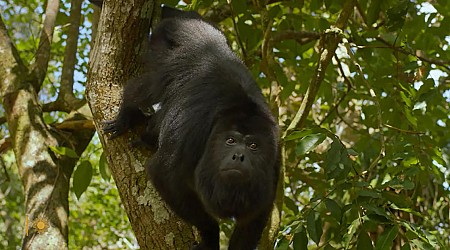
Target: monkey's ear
x=169 y=12
x=97 y=3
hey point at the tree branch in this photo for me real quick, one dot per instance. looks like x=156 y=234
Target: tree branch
x=5 y=144
x=443 y=63
x=328 y=44
x=301 y=37
x=39 y=68
x=45 y=178
x=66 y=100
x=10 y=62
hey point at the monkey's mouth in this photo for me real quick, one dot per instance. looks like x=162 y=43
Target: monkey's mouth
x=234 y=176
x=231 y=171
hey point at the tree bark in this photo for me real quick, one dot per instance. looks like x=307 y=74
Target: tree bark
x=45 y=175
x=120 y=39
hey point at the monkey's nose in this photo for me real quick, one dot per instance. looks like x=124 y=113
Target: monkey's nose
x=238 y=156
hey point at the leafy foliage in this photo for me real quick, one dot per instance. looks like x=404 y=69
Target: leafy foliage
x=382 y=179
x=370 y=167
x=97 y=218
x=11 y=202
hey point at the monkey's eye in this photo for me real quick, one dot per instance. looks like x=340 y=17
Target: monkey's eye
x=253 y=146
x=231 y=141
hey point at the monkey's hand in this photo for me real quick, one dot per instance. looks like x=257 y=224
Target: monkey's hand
x=114 y=128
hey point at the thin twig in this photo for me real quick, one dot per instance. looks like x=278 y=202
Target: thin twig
x=443 y=63
x=328 y=44
x=238 y=37
x=403 y=130
x=378 y=107
x=349 y=87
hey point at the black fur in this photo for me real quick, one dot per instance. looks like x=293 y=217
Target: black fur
x=217 y=153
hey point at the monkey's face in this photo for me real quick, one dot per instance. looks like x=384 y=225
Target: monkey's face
x=239 y=157
x=235 y=169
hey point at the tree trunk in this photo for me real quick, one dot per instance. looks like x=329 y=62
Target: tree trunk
x=45 y=175
x=121 y=35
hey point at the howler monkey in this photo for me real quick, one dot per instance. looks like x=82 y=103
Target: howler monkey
x=216 y=141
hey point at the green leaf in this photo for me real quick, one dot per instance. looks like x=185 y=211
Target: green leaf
x=298 y=134
x=373 y=11
x=410 y=117
x=300 y=241
x=314 y=227
x=82 y=178
x=369 y=193
x=274 y=10
x=290 y=204
x=396 y=15
x=376 y=210
x=386 y=239
x=239 y=6
x=398 y=199
x=337 y=163
x=419 y=244
x=405 y=98
x=437 y=156
x=333 y=156
x=334 y=208
x=315 y=5
x=105 y=173
x=364 y=242
x=351 y=231
x=398 y=184
x=361 y=184
x=283 y=244
x=64 y=151
x=62 y=18
x=407 y=246
x=352 y=152
x=309 y=143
